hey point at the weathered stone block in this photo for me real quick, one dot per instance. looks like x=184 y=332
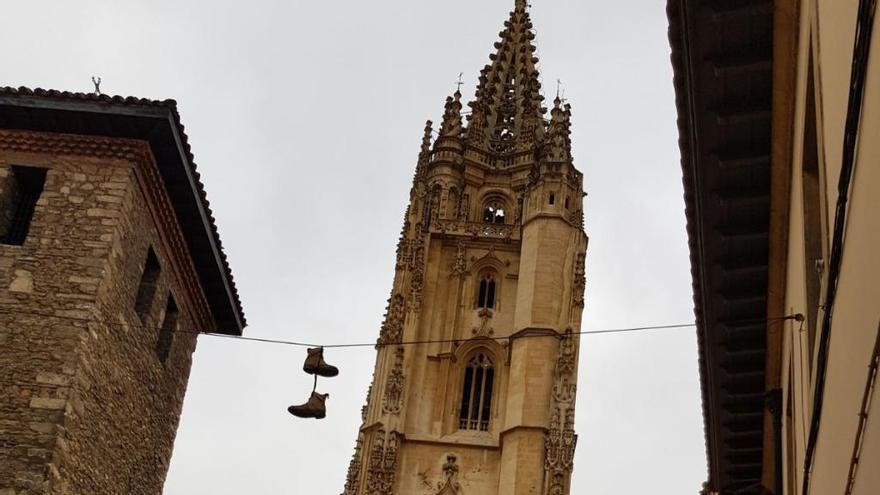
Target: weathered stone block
x=47 y=403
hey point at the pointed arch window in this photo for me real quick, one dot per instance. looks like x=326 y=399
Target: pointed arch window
x=493 y=212
x=486 y=292
x=476 y=395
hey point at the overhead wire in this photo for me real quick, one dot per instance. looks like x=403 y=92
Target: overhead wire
x=375 y=344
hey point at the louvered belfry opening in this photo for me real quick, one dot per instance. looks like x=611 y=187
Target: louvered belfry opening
x=476 y=400
x=24 y=189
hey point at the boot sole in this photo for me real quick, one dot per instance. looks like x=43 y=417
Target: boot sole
x=301 y=416
x=314 y=371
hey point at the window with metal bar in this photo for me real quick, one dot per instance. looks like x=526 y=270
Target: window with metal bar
x=24 y=189
x=476 y=395
x=486 y=292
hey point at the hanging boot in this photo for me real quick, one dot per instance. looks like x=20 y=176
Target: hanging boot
x=314 y=408
x=315 y=364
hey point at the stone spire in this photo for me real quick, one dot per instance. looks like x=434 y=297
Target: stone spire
x=507 y=112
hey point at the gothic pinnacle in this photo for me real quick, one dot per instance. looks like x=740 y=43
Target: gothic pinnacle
x=424 y=153
x=451 y=126
x=426 y=139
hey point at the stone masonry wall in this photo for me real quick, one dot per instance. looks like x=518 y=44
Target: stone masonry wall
x=86 y=405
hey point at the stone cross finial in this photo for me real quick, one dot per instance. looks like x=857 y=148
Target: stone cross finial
x=97 y=82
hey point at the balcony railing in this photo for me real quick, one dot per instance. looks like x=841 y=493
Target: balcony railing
x=477 y=229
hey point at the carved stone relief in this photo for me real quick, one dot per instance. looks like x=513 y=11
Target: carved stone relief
x=404 y=254
x=561 y=440
x=382 y=463
x=459 y=264
x=484 y=330
x=392 y=402
x=417 y=281
x=580 y=282
x=450 y=486
x=464 y=208
x=392 y=328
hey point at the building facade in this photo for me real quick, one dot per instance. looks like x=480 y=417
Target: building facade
x=779 y=112
x=110 y=265
x=490 y=279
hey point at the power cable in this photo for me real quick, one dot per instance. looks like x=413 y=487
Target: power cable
x=377 y=344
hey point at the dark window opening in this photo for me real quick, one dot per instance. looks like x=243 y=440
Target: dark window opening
x=552 y=199
x=567 y=203
x=166 y=332
x=486 y=293
x=24 y=189
x=493 y=213
x=812 y=209
x=476 y=394
x=147 y=288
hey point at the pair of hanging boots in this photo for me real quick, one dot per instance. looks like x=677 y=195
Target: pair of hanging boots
x=315 y=407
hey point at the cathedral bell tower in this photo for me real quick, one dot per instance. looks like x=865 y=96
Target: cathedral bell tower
x=490 y=279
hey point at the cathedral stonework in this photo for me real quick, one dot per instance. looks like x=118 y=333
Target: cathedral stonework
x=490 y=280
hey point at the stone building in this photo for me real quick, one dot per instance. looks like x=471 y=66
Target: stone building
x=779 y=113
x=109 y=264
x=490 y=272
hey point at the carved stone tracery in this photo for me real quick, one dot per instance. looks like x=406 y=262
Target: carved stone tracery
x=561 y=440
x=580 y=281
x=392 y=402
x=417 y=280
x=382 y=463
x=392 y=328
x=459 y=264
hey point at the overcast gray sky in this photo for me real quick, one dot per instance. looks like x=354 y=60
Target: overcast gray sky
x=305 y=118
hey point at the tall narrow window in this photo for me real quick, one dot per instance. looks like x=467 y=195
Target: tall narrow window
x=166 y=332
x=486 y=293
x=476 y=395
x=812 y=209
x=552 y=199
x=147 y=288
x=24 y=189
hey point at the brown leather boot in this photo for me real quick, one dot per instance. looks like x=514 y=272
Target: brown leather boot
x=315 y=364
x=314 y=408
